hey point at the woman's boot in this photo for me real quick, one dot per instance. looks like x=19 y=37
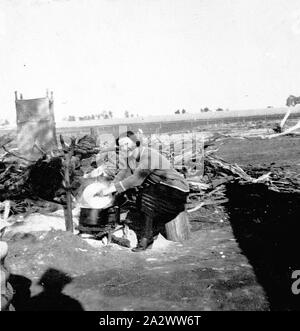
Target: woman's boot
x=147 y=238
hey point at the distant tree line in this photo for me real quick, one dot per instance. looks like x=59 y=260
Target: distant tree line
x=108 y=114
x=101 y=116
x=206 y=109
x=202 y=110
x=183 y=111
x=128 y=115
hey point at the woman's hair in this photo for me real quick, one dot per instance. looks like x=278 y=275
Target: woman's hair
x=130 y=135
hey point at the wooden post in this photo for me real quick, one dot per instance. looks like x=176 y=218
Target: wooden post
x=172 y=151
x=179 y=228
x=160 y=152
x=195 y=156
x=68 y=151
x=68 y=206
x=182 y=151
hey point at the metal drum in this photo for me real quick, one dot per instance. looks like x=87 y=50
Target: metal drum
x=98 y=220
x=93 y=217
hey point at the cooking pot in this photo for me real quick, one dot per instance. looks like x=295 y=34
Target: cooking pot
x=91 y=217
x=97 y=210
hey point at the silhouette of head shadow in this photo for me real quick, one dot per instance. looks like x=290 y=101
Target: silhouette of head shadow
x=54 y=280
x=51 y=298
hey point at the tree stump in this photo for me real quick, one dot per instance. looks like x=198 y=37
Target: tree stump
x=179 y=228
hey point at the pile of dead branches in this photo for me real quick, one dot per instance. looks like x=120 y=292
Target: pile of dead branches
x=279 y=179
x=211 y=189
x=22 y=179
x=44 y=179
x=13 y=177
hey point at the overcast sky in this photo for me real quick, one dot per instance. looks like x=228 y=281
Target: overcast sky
x=149 y=56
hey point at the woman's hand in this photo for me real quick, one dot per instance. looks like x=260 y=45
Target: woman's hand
x=101 y=157
x=109 y=190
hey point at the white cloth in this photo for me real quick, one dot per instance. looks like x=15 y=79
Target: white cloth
x=90 y=199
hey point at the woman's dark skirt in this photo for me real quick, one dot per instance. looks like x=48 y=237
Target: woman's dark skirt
x=160 y=201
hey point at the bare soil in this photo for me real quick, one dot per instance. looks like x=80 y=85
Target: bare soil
x=222 y=267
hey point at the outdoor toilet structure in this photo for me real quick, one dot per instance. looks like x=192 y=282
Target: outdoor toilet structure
x=36 y=132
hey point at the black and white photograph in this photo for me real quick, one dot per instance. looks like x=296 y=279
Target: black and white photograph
x=150 y=158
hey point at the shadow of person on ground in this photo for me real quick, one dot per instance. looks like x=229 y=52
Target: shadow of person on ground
x=52 y=299
x=266 y=225
x=21 y=287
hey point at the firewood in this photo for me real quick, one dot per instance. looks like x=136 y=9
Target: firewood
x=287 y=131
x=46 y=178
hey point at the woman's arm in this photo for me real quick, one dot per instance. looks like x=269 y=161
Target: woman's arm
x=136 y=179
x=138 y=176
x=121 y=175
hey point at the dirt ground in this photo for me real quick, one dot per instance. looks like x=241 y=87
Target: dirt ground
x=211 y=271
